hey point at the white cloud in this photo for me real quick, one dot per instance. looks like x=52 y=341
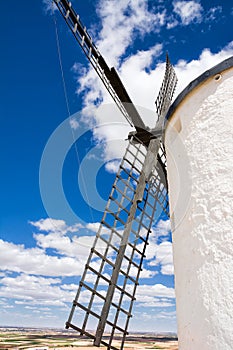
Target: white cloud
x=172 y=23
x=160 y=254
x=188 y=11
x=114 y=133
x=49 y=6
x=93 y=226
x=35 y=261
x=157 y=303
x=166 y=315
x=188 y=71
x=153 y=295
x=155 y=291
x=145 y=273
x=38 y=309
x=142 y=80
x=120 y=19
x=162 y=228
x=213 y=13
x=34 y=290
x=163 y=257
x=112 y=166
x=167 y=269
x=59 y=239
x=74 y=123
x=78 y=247
x=54 y=225
x=91 y=278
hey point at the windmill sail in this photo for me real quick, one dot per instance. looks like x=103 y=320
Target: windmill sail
x=165 y=95
x=107 y=289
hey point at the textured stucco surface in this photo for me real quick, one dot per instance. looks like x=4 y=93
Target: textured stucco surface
x=199 y=145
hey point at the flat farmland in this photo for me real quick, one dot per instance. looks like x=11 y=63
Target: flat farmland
x=45 y=339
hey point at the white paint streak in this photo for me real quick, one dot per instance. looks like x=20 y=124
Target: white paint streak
x=202 y=152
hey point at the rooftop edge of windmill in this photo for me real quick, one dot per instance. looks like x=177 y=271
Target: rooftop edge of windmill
x=217 y=69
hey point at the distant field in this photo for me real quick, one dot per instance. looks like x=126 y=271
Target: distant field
x=23 y=338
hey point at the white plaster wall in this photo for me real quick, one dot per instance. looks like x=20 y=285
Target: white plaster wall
x=199 y=145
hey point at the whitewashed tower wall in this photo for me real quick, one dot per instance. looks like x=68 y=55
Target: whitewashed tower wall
x=199 y=146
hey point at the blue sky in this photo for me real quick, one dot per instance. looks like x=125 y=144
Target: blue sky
x=41 y=259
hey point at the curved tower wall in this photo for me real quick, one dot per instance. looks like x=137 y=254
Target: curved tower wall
x=199 y=146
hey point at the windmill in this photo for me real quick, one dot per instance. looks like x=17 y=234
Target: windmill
x=108 y=285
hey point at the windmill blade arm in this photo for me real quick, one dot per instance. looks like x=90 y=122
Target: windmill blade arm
x=164 y=98
x=124 y=97
x=109 y=77
x=107 y=290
